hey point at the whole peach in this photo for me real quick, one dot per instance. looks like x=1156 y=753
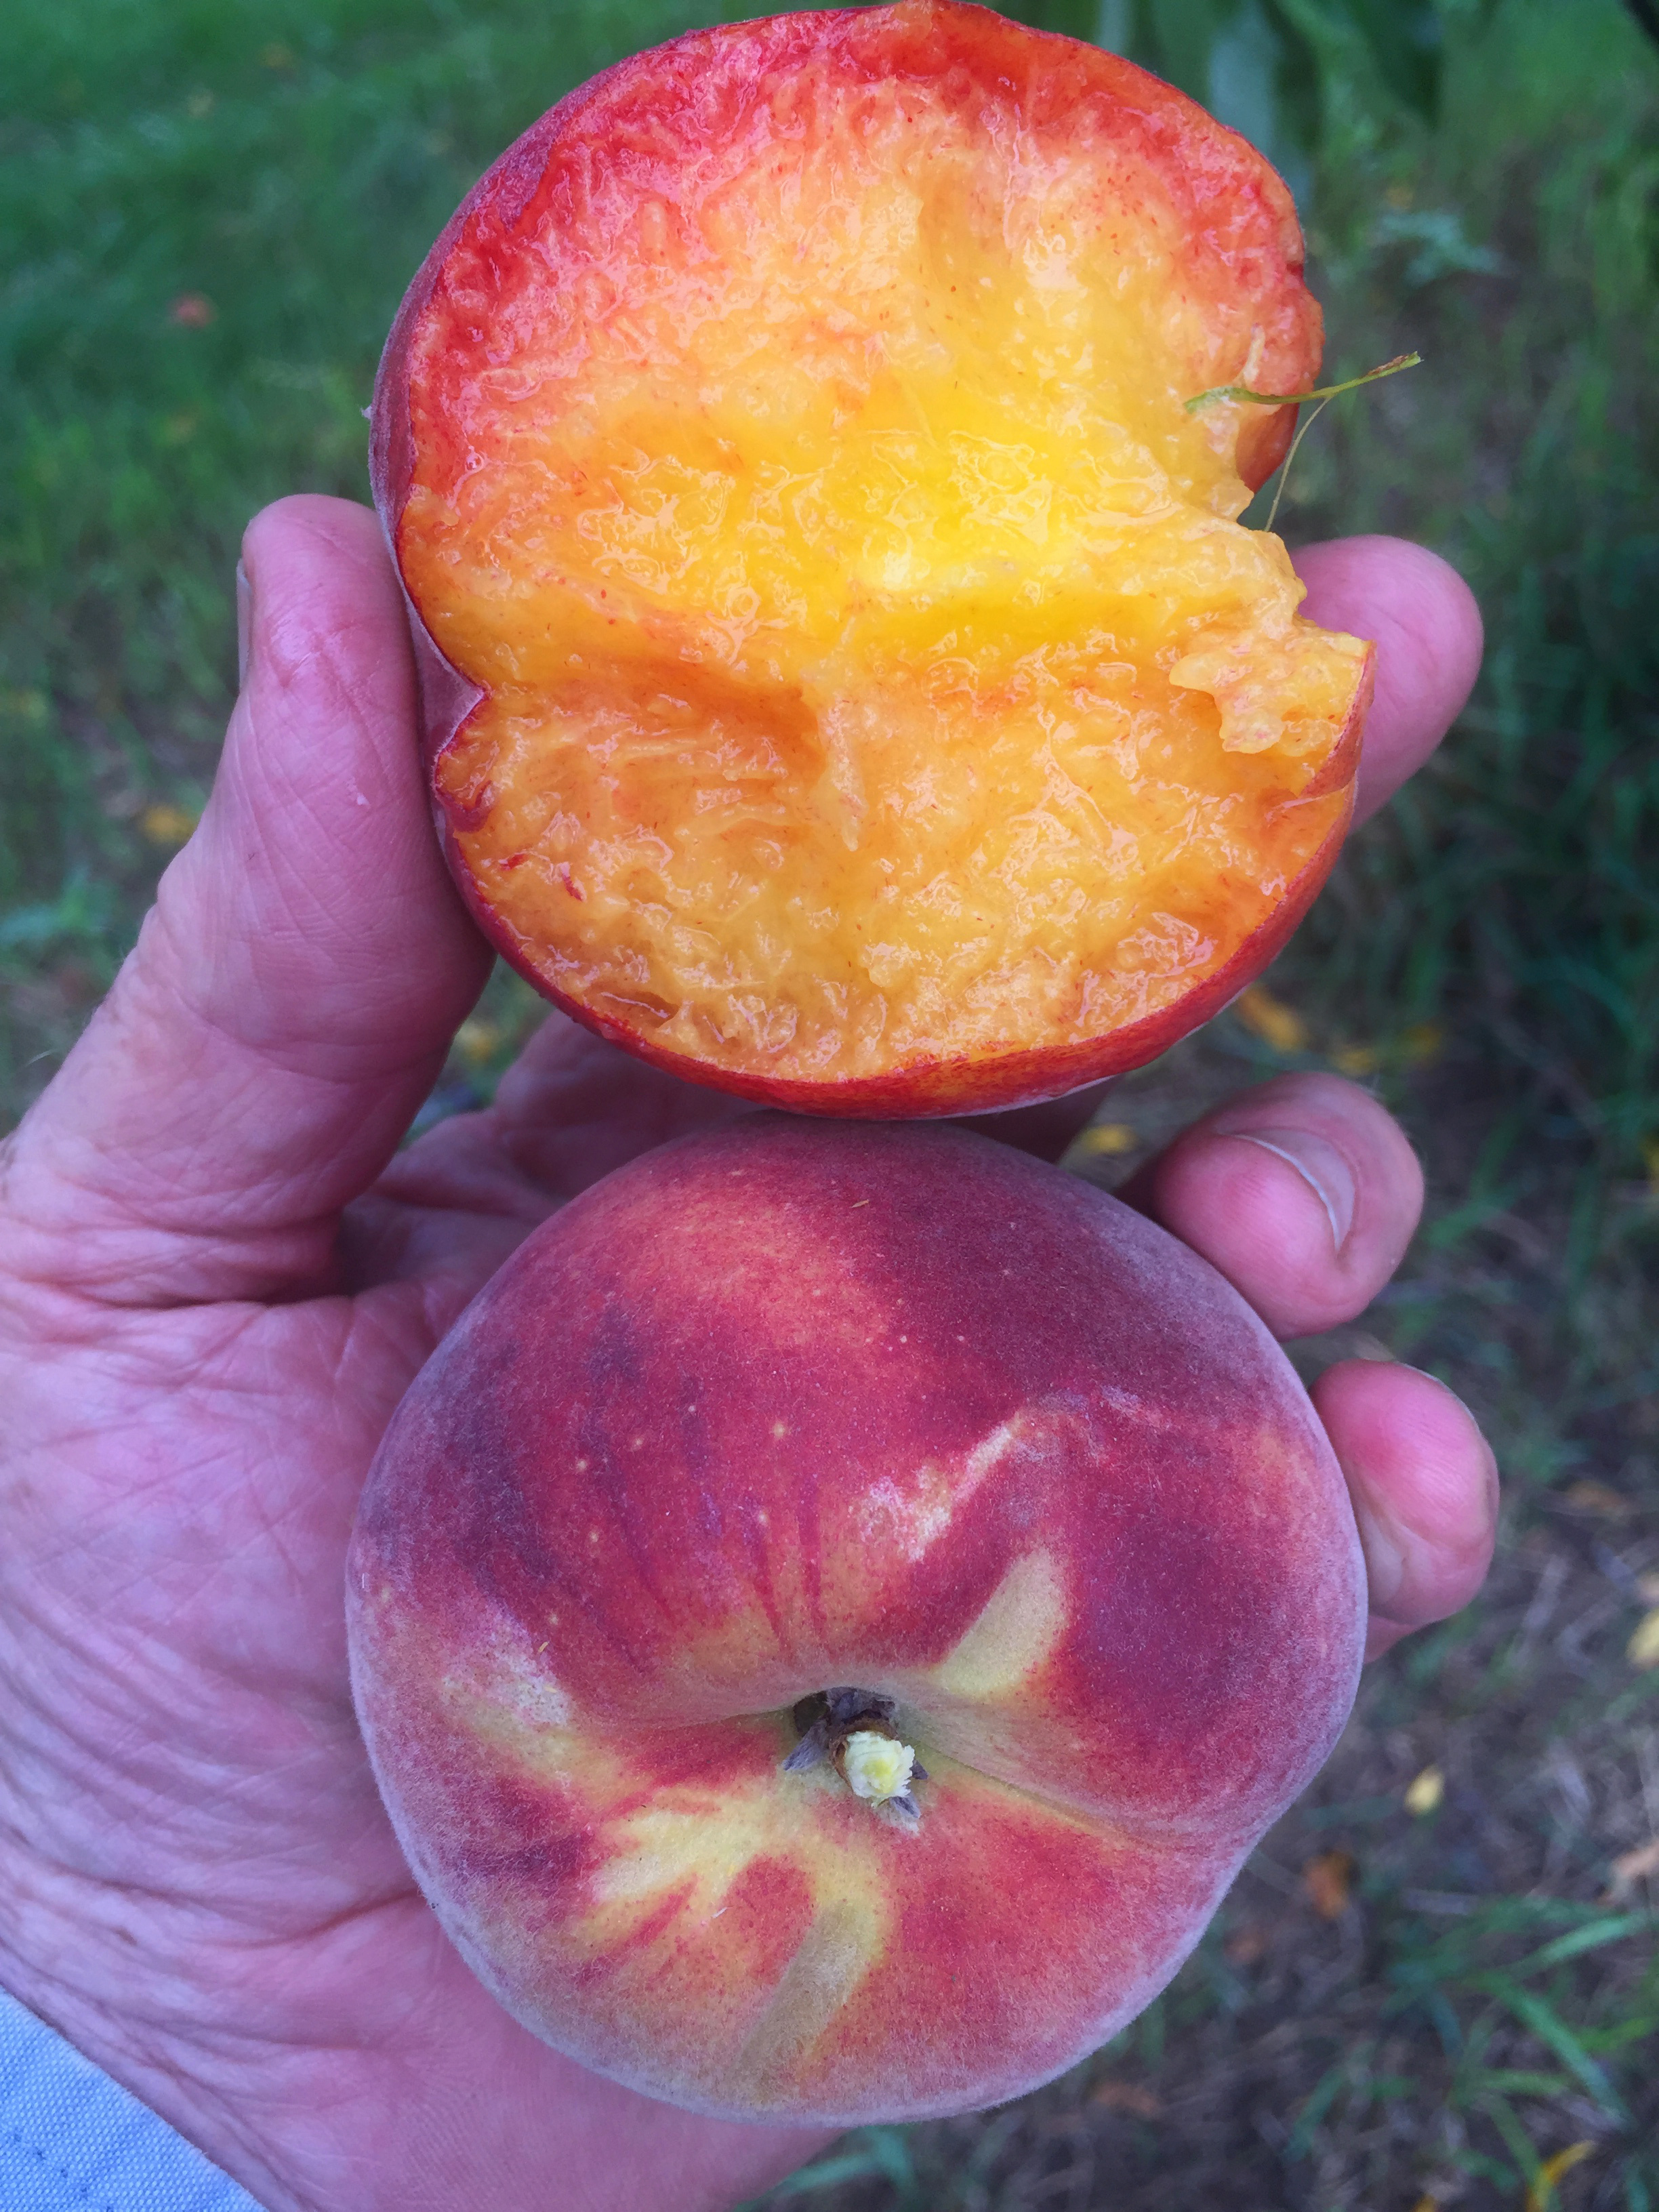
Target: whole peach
x=831 y=1619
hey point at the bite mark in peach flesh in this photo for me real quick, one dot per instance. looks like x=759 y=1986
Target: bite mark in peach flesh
x=800 y=1405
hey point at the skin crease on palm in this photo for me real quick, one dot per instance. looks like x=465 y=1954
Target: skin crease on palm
x=216 y=1282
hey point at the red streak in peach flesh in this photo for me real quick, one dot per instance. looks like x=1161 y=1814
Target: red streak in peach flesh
x=800 y=1404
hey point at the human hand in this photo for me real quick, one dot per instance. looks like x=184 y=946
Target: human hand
x=214 y=1289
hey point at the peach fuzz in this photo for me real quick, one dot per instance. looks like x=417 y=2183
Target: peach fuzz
x=848 y=682
x=797 y=1407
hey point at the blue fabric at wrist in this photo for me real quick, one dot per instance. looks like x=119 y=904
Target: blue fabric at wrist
x=73 y=2141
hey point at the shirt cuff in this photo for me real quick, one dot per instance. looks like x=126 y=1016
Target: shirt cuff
x=73 y=2141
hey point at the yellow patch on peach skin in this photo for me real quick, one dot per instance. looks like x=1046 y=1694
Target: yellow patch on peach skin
x=664 y=1848
x=649 y=1926
x=983 y=1699
x=1016 y=1633
x=660 y=1836
x=687 y=1847
x=849 y=1963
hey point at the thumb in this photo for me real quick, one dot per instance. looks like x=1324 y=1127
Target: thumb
x=295 y=987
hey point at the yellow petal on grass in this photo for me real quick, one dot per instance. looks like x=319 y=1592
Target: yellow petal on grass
x=1271 y=1019
x=1542 y=2195
x=1105 y=1140
x=1329 y=1878
x=167 y=825
x=1598 y=1498
x=1355 y=1059
x=476 y=1040
x=1425 y=1792
x=1126 y=2097
x=1246 y=1943
x=1643 y=1649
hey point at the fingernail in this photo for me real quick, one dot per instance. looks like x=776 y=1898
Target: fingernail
x=244 y=625
x=1493 y=1480
x=1320 y=1165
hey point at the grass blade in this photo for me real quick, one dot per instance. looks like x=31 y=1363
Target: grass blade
x=1552 y=2030
x=1588 y=1938
x=1323 y=2097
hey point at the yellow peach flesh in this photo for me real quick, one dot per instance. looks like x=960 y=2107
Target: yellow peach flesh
x=876 y=672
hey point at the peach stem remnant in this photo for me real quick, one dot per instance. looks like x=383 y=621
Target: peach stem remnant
x=854 y=1732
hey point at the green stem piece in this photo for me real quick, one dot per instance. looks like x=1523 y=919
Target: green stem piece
x=1295 y=398
x=1324 y=395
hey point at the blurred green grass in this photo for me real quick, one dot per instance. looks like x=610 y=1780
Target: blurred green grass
x=208 y=212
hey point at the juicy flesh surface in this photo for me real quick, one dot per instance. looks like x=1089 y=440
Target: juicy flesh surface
x=875 y=671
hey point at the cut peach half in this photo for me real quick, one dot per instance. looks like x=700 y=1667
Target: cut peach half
x=849 y=682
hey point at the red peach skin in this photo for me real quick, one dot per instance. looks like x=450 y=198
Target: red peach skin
x=795 y=1405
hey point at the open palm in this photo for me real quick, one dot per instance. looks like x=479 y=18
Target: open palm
x=213 y=1292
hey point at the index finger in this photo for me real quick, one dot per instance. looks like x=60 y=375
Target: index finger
x=1426 y=627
